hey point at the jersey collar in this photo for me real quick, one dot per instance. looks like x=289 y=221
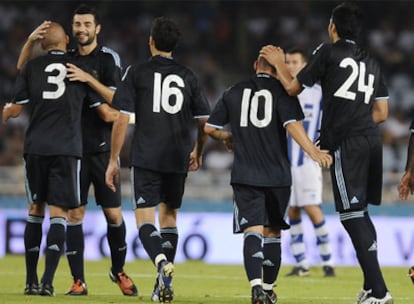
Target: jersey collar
x=56 y=52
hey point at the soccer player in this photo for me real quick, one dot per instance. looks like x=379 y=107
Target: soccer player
x=406 y=185
x=106 y=68
x=259 y=112
x=355 y=101
x=52 y=151
x=166 y=98
x=306 y=178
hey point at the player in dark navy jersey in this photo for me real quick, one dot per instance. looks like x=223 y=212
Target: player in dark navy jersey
x=355 y=101
x=166 y=98
x=52 y=151
x=258 y=111
x=103 y=64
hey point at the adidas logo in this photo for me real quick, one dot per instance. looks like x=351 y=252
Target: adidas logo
x=140 y=200
x=373 y=247
x=34 y=197
x=54 y=247
x=71 y=252
x=354 y=200
x=34 y=249
x=258 y=255
x=243 y=221
x=167 y=244
x=268 y=263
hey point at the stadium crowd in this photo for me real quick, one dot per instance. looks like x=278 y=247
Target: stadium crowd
x=221 y=39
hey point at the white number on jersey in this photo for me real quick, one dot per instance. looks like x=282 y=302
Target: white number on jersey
x=252 y=106
x=58 y=80
x=359 y=73
x=163 y=90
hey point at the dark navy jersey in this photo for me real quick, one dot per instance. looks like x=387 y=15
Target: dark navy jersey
x=351 y=81
x=165 y=97
x=104 y=64
x=55 y=106
x=258 y=111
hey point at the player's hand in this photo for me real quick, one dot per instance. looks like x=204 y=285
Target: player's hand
x=112 y=175
x=74 y=73
x=273 y=54
x=228 y=143
x=406 y=186
x=195 y=161
x=40 y=31
x=323 y=158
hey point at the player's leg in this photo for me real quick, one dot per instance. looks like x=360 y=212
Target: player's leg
x=75 y=247
x=146 y=196
x=54 y=247
x=276 y=205
x=297 y=244
x=322 y=238
x=75 y=242
x=168 y=228
x=250 y=217
x=272 y=257
x=32 y=241
x=116 y=234
x=363 y=185
x=63 y=194
x=35 y=176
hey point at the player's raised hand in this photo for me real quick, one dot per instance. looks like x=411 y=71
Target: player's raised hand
x=40 y=31
x=273 y=54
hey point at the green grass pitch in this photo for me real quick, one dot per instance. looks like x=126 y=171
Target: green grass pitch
x=199 y=283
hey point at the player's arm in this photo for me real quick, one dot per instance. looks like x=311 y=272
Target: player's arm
x=11 y=110
x=276 y=57
x=75 y=73
x=196 y=156
x=119 y=129
x=106 y=113
x=298 y=133
x=380 y=110
x=406 y=185
x=222 y=135
x=28 y=48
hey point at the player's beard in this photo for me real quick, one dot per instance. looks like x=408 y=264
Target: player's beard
x=87 y=42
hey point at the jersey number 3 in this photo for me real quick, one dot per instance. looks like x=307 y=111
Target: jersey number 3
x=163 y=90
x=58 y=80
x=357 y=72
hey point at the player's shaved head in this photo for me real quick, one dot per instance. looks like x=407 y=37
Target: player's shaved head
x=55 y=38
x=263 y=66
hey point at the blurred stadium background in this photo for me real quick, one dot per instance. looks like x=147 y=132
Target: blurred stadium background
x=220 y=40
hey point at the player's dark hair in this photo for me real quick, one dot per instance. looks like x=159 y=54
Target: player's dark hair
x=165 y=33
x=297 y=50
x=347 y=18
x=85 y=9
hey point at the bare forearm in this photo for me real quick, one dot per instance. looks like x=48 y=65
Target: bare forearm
x=410 y=155
x=25 y=53
x=299 y=134
x=106 y=92
x=118 y=136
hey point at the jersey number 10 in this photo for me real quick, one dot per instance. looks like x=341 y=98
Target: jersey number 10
x=250 y=108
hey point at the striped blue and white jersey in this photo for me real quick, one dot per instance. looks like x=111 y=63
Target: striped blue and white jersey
x=311 y=102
